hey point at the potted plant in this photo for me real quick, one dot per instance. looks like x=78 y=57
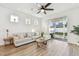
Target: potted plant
x=75 y=30
x=42 y=33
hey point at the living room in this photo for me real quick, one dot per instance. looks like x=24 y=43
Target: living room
x=21 y=24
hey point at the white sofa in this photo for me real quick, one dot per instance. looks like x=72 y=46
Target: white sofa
x=22 y=41
x=19 y=42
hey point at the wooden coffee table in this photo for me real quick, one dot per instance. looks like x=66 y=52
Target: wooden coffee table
x=41 y=42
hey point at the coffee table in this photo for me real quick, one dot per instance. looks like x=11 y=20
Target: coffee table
x=41 y=42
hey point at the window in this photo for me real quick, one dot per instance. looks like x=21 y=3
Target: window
x=27 y=21
x=14 y=19
x=58 y=25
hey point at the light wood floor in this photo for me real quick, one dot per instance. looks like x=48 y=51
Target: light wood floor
x=53 y=48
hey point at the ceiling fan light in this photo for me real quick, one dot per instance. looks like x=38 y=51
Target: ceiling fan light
x=42 y=10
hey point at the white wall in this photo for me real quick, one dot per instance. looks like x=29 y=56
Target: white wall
x=15 y=27
x=73 y=19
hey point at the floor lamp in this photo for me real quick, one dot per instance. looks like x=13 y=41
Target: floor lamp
x=7 y=32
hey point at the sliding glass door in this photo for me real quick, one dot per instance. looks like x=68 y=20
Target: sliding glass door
x=58 y=28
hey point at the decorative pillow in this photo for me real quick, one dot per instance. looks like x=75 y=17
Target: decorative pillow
x=25 y=35
x=18 y=36
x=29 y=34
x=37 y=33
x=21 y=35
x=33 y=34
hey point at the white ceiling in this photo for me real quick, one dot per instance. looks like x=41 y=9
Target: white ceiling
x=31 y=8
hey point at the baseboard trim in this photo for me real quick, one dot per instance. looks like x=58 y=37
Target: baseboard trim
x=73 y=44
x=1 y=45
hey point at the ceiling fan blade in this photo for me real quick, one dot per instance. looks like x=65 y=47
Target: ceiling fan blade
x=44 y=12
x=47 y=5
x=49 y=9
x=38 y=12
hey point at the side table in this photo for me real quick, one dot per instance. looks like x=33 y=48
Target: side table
x=8 y=39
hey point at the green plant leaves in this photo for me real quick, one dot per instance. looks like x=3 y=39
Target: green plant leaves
x=75 y=30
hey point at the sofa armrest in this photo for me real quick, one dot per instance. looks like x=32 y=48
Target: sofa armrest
x=47 y=37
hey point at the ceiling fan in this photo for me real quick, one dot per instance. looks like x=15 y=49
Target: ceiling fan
x=45 y=8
